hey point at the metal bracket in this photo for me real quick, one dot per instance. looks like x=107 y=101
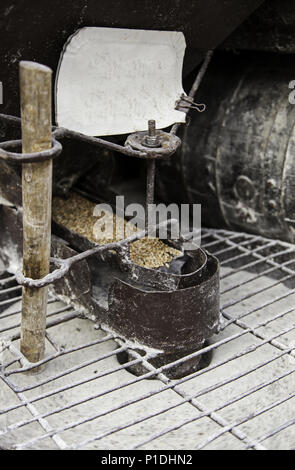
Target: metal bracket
x=5 y=154
x=65 y=264
x=168 y=144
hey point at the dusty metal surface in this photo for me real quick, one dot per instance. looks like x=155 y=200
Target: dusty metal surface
x=174 y=322
x=170 y=312
x=66 y=170
x=85 y=399
x=237 y=157
x=168 y=144
x=66 y=264
x=187 y=102
x=149 y=145
x=60 y=133
x=37 y=31
x=36 y=157
x=270 y=28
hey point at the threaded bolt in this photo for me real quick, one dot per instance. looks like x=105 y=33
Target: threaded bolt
x=151 y=139
x=152 y=127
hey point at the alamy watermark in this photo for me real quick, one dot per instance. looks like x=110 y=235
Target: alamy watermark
x=186 y=226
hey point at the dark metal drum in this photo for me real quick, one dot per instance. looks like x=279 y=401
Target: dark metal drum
x=237 y=158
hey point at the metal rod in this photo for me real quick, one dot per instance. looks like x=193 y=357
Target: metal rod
x=201 y=74
x=196 y=85
x=151 y=140
x=65 y=264
x=35 y=94
x=61 y=133
x=150 y=189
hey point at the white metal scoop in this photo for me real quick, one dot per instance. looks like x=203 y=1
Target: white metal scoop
x=112 y=81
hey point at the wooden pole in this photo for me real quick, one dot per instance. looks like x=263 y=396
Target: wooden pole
x=35 y=97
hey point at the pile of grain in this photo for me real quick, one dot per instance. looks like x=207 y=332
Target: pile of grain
x=76 y=214
x=152 y=253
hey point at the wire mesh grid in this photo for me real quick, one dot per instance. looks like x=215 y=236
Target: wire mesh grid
x=85 y=399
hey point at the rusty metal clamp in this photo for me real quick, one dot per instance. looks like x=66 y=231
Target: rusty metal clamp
x=168 y=144
x=185 y=103
x=35 y=157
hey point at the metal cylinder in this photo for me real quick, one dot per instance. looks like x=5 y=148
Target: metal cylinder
x=237 y=158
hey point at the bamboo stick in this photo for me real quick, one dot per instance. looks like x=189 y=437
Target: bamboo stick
x=35 y=96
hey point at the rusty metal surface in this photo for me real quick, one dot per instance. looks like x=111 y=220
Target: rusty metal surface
x=237 y=158
x=66 y=170
x=169 y=143
x=109 y=177
x=41 y=156
x=172 y=313
x=150 y=307
x=64 y=265
x=193 y=295
x=187 y=102
x=175 y=322
x=133 y=145
x=192 y=272
x=70 y=167
x=75 y=287
x=60 y=132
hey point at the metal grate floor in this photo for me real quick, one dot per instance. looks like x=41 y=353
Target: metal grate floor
x=85 y=399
